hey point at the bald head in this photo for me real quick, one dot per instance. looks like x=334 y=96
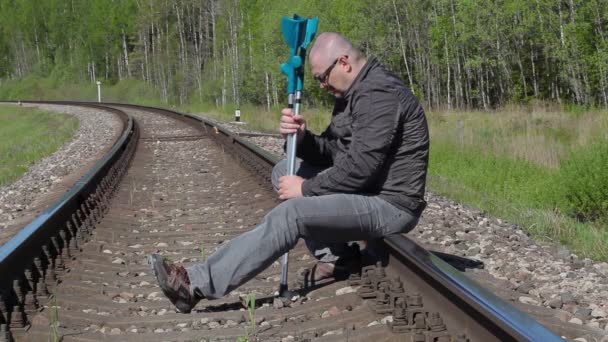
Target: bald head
x=330 y=45
x=335 y=63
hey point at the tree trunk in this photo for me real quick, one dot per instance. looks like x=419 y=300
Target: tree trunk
x=534 y=77
x=267 y=83
x=126 y=53
x=402 y=45
x=447 y=65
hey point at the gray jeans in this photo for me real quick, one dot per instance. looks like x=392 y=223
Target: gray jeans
x=325 y=222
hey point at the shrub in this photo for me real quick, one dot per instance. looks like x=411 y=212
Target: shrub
x=584 y=182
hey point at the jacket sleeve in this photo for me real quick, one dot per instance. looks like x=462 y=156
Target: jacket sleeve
x=375 y=119
x=317 y=149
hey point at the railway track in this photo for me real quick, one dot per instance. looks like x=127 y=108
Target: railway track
x=181 y=187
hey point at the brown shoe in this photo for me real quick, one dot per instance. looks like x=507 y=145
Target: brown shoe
x=173 y=280
x=324 y=272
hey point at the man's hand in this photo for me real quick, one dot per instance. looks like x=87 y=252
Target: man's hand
x=291 y=123
x=290 y=187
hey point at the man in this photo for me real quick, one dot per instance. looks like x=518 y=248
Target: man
x=373 y=157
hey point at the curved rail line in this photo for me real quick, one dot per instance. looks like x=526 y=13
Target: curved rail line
x=428 y=299
x=30 y=259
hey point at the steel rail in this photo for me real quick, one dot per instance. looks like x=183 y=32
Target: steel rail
x=24 y=259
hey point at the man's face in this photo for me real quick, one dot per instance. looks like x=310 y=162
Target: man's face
x=328 y=76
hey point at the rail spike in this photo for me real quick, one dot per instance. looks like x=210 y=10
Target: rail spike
x=5 y=335
x=61 y=249
x=51 y=263
x=18 y=318
x=75 y=240
x=41 y=289
x=438 y=331
x=3 y=310
x=30 y=304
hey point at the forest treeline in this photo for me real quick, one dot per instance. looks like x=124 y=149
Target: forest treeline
x=452 y=53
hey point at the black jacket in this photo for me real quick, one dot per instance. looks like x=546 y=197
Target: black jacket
x=377 y=143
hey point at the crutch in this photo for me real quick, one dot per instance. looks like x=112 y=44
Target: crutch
x=298 y=33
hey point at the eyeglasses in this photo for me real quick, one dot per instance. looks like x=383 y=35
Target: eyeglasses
x=324 y=76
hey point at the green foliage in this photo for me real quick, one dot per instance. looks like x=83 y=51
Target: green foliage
x=475 y=53
x=584 y=182
x=28 y=135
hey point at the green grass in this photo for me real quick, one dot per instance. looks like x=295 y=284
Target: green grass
x=518 y=191
x=541 y=168
x=540 y=135
x=28 y=135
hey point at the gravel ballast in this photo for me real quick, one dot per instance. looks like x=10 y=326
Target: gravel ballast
x=96 y=134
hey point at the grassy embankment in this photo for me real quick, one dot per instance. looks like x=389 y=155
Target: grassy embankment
x=28 y=135
x=541 y=168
